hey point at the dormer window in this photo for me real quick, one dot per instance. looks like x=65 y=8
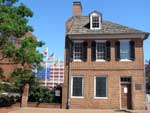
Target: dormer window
x=95 y=20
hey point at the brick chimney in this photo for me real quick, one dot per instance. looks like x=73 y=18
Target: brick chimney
x=77 y=9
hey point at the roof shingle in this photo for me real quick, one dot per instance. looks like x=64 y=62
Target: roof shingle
x=81 y=25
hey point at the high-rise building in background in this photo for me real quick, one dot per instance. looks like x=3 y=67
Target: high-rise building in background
x=52 y=74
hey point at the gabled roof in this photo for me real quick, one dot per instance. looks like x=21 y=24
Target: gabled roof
x=81 y=25
x=97 y=12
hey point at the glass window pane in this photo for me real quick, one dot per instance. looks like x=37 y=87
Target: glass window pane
x=100 y=50
x=101 y=87
x=124 y=50
x=77 y=52
x=95 y=21
x=77 y=86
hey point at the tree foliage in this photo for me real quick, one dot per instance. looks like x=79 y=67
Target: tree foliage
x=147 y=72
x=14 y=19
x=14 y=23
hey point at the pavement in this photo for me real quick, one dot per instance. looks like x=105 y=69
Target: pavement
x=49 y=110
x=8 y=109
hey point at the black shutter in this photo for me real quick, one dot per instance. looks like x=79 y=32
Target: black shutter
x=84 y=51
x=108 y=51
x=93 y=48
x=132 y=50
x=71 y=50
x=117 y=50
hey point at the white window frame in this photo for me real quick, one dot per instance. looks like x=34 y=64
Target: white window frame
x=106 y=88
x=124 y=60
x=72 y=87
x=91 y=21
x=77 y=41
x=101 y=41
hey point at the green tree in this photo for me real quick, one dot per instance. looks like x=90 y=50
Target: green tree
x=147 y=74
x=28 y=58
x=14 y=22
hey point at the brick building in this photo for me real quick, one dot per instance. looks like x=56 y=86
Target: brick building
x=104 y=64
x=6 y=65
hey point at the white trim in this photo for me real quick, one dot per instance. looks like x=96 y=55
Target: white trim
x=100 y=24
x=100 y=60
x=95 y=88
x=77 y=60
x=120 y=92
x=82 y=87
x=125 y=60
x=100 y=97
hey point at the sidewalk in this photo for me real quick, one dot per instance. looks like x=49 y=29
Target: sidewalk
x=47 y=110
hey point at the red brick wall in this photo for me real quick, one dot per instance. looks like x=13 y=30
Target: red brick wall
x=113 y=70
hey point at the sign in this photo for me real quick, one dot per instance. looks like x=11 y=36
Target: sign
x=138 y=86
x=57 y=93
x=125 y=90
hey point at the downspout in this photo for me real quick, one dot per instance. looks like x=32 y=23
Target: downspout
x=68 y=80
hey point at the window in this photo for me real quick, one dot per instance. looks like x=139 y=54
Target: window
x=77 y=86
x=124 y=50
x=12 y=40
x=95 y=21
x=125 y=79
x=100 y=87
x=78 y=51
x=100 y=50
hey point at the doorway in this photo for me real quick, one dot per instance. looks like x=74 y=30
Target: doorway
x=126 y=97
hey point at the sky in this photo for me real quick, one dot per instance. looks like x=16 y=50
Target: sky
x=50 y=17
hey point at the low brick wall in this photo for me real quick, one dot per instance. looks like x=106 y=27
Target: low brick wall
x=44 y=105
x=41 y=105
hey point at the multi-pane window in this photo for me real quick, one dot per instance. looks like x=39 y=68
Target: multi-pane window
x=95 y=21
x=124 y=50
x=100 y=87
x=100 y=50
x=126 y=79
x=77 y=86
x=78 y=50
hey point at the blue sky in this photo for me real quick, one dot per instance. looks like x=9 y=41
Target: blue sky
x=50 y=16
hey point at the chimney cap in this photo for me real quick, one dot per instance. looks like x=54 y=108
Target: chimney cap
x=77 y=2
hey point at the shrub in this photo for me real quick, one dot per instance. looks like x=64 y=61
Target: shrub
x=6 y=101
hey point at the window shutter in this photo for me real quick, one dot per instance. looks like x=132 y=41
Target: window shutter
x=71 y=50
x=117 y=50
x=108 y=51
x=84 y=51
x=132 y=50
x=93 y=55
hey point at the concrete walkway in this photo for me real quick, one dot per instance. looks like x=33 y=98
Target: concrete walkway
x=48 y=110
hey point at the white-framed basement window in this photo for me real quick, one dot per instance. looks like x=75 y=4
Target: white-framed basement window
x=77 y=87
x=100 y=87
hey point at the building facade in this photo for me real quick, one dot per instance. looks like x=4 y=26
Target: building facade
x=104 y=63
